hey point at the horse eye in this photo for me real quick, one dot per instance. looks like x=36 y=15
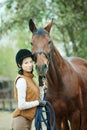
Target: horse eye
x=49 y=42
x=34 y=57
x=31 y=43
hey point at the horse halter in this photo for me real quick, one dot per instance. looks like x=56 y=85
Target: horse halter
x=48 y=56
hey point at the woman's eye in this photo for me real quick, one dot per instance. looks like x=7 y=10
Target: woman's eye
x=31 y=61
x=26 y=62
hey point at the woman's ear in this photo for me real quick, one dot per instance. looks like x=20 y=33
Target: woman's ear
x=19 y=65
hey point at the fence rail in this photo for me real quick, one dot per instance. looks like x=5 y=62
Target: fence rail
x=6 y=99
x=7 y=104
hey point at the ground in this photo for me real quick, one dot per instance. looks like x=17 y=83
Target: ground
x=6 y=119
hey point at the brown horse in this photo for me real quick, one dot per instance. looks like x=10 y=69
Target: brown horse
x=67 y=80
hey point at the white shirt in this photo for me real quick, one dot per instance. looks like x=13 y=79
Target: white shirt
x=22 y=103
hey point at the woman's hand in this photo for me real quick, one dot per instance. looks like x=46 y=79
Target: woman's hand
x=42 y=103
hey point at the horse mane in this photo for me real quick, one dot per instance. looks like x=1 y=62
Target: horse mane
x=40 y=31
x=54 y=75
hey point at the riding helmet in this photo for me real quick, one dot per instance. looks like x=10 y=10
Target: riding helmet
x=21 y=54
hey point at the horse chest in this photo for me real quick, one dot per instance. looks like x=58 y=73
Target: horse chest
x=64 y=106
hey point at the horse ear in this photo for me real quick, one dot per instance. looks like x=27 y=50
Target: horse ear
x=32 y=26
x=48 y=27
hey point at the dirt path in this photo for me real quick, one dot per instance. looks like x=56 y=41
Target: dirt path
x=6 y=119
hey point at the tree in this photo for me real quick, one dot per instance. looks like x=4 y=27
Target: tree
x=72 y=25
x=69 y=23
x=70 y=19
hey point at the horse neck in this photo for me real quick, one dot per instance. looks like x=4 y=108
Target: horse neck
x=54 y=75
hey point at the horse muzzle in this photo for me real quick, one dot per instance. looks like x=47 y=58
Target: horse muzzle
x=42 y=70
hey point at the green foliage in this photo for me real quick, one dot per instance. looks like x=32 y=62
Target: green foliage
x=72 y=24
x=69 y=26
x=20 y=12
x=7 y=64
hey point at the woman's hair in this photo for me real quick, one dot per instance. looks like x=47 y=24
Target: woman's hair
x=20 y=71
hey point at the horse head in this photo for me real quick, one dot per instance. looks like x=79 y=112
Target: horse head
x=41 y=47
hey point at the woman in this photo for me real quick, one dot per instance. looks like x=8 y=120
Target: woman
x=25 y=91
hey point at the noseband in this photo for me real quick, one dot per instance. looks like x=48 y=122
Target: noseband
x=48 y=56
x=43 y=52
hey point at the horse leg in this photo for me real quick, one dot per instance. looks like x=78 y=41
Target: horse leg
x=65 y=124
x=75 y=121
x=62 y=124
x=84 y=120
x=58 y=123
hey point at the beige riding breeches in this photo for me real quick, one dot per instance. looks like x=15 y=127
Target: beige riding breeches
x=21 y=123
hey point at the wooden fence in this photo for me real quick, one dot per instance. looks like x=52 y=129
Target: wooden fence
x=6 y=94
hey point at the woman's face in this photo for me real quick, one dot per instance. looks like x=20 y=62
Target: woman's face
x=27 y=64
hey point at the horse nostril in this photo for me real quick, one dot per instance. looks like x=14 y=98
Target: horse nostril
x=37 y=67
x=44 y=66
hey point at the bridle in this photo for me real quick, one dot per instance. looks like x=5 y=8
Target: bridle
x=48 y=56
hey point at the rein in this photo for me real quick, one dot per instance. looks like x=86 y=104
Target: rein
x=45 y=116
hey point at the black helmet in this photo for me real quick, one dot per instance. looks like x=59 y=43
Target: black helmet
x=21 y=54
